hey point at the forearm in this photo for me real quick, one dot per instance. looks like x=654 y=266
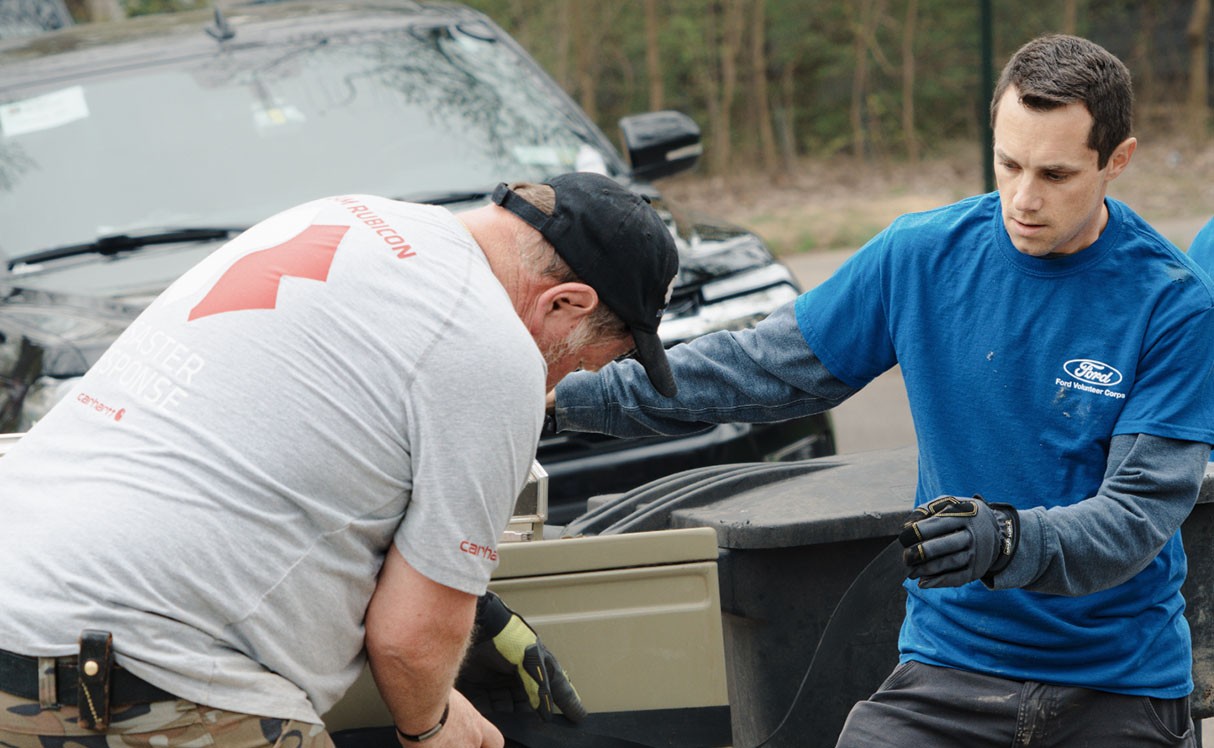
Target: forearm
x=753 y=376
x=1150 y=486
x=416 y=637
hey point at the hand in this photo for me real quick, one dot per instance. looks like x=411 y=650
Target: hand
x=950 y=541
x=507 y=666
x=549 y=427
x=465 y=728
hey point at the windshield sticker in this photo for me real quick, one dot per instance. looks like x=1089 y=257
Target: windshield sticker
x=589 y=159
x=538 y=155
x=43 y=112
x=276 y=116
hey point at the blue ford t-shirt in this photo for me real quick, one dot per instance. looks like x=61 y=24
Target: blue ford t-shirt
x=1202 y=247
x=1019 y=370
x=1201 y=250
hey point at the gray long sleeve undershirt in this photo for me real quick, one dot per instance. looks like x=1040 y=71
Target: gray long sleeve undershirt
x=770 y=374
x=1150 y=486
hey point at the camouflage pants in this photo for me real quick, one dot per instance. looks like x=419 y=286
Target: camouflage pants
x=165 y=724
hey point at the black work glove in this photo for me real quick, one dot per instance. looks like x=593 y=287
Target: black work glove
x=951 y=541
x=508 y=669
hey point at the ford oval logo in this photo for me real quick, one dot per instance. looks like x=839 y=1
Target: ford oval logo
x=1092 y=372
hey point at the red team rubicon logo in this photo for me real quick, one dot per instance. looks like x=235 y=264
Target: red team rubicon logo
x=252 y=281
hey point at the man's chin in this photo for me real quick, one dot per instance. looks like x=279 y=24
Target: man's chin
x=1031 y=249
x=1031 y=246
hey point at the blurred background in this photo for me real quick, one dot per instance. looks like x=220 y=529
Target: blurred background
x=823 y=119
x=772 y=82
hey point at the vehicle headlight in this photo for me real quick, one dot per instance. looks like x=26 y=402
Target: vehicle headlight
x=43 y=352
x=734 y=302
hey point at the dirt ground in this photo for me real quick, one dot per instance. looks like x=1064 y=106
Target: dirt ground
x=839 y=203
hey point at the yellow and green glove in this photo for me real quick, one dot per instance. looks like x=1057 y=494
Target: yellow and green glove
x=508 y=669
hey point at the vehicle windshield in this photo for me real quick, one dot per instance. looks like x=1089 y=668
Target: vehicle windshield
x=229 y=138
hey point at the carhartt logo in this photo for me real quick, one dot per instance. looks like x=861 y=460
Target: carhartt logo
x=1089 y=371
x=252 y=281
x=480 y=551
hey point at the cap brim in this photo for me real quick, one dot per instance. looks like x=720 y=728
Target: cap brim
x=652 y=355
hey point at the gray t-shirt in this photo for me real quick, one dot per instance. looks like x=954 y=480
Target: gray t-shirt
x=220 y=489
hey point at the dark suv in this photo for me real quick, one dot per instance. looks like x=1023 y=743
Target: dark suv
x=129 y=151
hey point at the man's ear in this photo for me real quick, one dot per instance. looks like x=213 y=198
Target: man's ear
x=561 y=307
x=1120 y=158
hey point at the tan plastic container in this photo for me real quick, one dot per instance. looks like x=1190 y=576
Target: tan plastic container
x=634 y=619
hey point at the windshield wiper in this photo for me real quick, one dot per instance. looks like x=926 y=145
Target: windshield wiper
x=112 y=244
x=446 y=198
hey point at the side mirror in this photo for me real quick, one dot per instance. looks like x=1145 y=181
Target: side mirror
x=660 y=143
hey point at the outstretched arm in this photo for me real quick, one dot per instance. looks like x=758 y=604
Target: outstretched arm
x=761 y=375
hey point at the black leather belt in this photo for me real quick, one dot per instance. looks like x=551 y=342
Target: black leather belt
x=19 y=677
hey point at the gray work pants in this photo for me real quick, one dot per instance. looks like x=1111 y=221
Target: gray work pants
x=932 y=707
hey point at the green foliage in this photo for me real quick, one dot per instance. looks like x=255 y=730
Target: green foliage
x=146 y=7
x=810 y=60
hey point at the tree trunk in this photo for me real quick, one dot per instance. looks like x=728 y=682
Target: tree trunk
x=1198 y=107
x=586 y=44
x=908 y=81
x=758 y=77
x=1070 y=17
x=859 y=87
x=1142 y=58
x=731 y=42
x=653 y=62
x=102 y=10
x=705 y=73
x=564 y=38
x=786 y=119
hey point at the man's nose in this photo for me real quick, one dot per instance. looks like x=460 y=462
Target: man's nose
x=1027 y=198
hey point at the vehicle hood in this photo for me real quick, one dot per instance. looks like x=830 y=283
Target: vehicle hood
x=69 y=311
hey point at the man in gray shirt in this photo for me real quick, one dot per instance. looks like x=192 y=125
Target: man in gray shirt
x=304 y=450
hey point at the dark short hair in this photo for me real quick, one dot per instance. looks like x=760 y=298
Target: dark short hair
x=1054 y=70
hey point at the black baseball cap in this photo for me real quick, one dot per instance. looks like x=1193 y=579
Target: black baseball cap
x=617 y=243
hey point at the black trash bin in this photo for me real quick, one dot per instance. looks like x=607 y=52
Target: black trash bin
x=793 y=537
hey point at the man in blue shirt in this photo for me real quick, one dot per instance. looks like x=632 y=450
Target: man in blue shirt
x=1201 y=250
x=1202 y=247
x=1057 y=356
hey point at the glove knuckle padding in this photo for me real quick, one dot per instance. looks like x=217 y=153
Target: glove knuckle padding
x=946 y=505
x=951 y=541
x=936 y=537
x=942 y=526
